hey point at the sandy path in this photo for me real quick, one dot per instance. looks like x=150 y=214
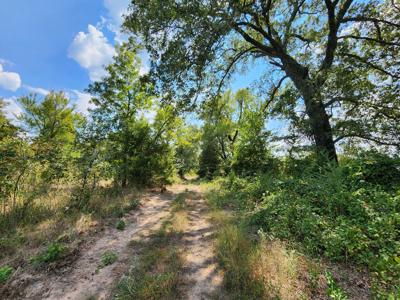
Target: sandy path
x=201 y=272
x=83 y=281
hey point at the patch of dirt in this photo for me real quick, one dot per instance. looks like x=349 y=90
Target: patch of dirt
x=83 y=279
x=202 y=276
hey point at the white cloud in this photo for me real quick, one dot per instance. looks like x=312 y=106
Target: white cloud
x=12 y=109
x=9 y=80
x=37 y=90
x=82 y=101
x=116 y=10
x=92 y=51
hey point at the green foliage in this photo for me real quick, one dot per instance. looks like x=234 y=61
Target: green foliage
x=209 y=161
x=334 y=291
x=52 y=121
x=5 y=273
x=120 y=225
x=186 y=149
x=53 y=252
x=133 y=204
x=180 y=201
x=137 y=151
x=251 y=153
x=333 y=212
x=108 y=258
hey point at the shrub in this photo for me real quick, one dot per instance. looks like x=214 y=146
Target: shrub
x=333 y=211
x=134 y=204
x=335 y=292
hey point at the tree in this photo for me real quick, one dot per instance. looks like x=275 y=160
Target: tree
x=118 y=98
x=137 y=148
x=51 y=124
x=210 y=160
x=196 y=43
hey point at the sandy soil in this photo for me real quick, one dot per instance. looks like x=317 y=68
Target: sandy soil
x=83 y=279
x=203 y=278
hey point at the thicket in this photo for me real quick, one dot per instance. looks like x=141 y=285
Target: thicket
x=347 y=213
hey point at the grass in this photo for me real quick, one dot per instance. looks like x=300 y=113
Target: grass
x=5 y=273
x=120 y=225
x=256 y=266
x=260 y=268
x=52 y=218
x=53 y=252
x=179 y=202
x=157 y=272
x=108 y=258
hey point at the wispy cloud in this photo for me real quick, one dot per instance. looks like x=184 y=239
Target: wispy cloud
x=12 y=109
x=114 y=19
x=36 y=90
x=82 y=101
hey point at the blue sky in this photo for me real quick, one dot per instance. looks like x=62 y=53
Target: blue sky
x=63 y=45
x=55 y=45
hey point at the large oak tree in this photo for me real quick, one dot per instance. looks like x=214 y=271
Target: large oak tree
x=196 y=44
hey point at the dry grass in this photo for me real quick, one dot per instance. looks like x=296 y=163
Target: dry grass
x=259 y=268
x=179 y=222
x=281 y=271
x=52 y=218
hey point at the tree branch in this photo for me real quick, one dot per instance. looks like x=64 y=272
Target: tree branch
x=273 y=93
x=365 y=61
x=379 y=41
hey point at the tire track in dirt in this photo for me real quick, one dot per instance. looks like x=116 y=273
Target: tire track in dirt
x=83 y=281
x=202 y=276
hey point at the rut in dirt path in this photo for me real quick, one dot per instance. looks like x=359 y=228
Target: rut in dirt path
x=82 y=281
x=201 y=272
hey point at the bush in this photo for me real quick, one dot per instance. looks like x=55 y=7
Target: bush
x=345 y=213
x=134 y=204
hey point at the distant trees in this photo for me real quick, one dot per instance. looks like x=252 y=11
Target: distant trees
x=234 y=135
x=196 y=45
x=38 y=151
x=187 y=149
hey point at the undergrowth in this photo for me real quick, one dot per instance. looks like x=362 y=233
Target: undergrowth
x=347 y=214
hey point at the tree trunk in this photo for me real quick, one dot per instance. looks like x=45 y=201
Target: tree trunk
x=321 y=128
x=319 y=120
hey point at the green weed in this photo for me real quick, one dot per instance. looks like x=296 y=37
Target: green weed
x=334 y=291
x=53 y=252
x=5 y=273
x=108 y=258
x=120 y=225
